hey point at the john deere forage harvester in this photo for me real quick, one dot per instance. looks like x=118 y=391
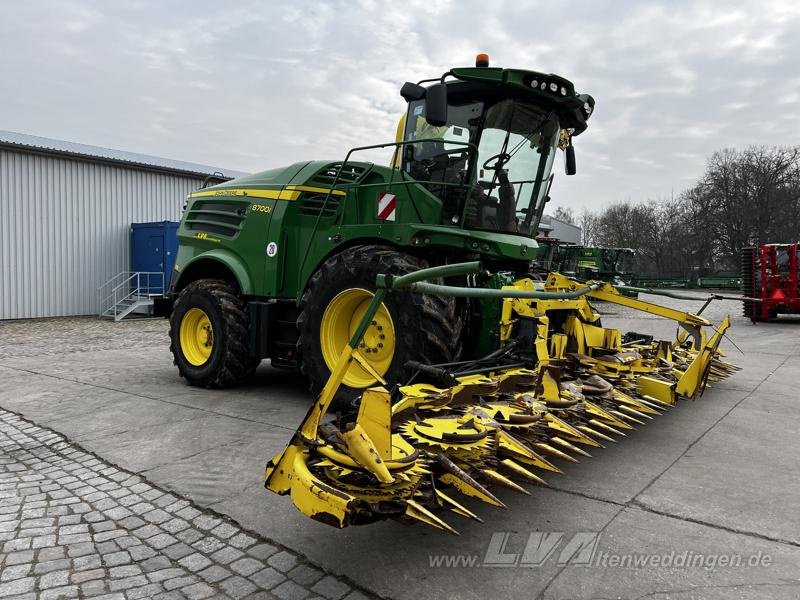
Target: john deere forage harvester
x=472 y=379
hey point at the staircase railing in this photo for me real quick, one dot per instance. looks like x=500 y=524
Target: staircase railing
x=127 y=287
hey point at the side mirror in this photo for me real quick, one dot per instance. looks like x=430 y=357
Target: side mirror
x=412 y=91
x=436 y=105
x=569 y=163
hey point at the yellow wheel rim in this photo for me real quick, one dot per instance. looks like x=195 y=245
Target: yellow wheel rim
x=339 y=323
x=197 y=337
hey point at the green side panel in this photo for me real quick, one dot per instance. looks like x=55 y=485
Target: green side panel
x=233 y=229
x=278 y=236
x=317 y=224
x=303 y=229
x=491 y=312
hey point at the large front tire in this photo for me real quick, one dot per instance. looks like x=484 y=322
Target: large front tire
x=209 y=333
x=408 y=326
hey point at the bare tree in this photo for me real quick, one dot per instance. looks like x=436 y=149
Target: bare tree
x=744 y=197
x=588 y=224
x=564 y=214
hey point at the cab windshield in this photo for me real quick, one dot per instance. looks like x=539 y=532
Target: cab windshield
x=510 y=154
x=494 y=188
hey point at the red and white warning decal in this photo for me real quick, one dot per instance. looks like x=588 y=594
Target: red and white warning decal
x=387 y=203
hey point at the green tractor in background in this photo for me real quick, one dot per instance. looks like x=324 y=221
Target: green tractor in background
x=282 y=264
x=586 y=263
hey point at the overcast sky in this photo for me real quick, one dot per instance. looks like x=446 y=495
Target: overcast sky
x=255 y=85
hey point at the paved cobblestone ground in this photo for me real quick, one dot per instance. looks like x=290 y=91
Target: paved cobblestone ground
x=42 y=337
x=74 y=526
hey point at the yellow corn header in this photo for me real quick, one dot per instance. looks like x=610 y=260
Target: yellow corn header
x=414 y=452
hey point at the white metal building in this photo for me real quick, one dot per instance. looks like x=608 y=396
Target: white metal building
x=65 y=216
x=560 y=230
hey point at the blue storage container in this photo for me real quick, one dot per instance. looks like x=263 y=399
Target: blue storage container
x=153 y=250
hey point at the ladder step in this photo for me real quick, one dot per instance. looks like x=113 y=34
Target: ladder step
x=135 y=296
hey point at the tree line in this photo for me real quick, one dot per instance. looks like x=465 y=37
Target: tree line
x=745 y=197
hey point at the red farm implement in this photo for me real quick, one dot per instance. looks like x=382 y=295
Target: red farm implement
x=770 y=272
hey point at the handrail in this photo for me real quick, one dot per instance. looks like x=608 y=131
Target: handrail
x=469 y=147
x=130 y=274
x=130 y=287
x=113 y=279
x=130 y=277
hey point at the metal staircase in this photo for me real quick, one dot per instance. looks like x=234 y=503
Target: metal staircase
x=130 y=292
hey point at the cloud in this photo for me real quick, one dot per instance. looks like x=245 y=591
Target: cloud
x=254 y=85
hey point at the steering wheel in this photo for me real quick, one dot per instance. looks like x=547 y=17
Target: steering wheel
x=500 y=159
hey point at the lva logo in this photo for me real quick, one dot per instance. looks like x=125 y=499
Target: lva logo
x=577 y=549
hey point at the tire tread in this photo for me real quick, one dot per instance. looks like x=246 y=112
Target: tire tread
x=236 y=364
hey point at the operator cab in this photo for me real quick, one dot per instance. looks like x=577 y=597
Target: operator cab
x=485 y=144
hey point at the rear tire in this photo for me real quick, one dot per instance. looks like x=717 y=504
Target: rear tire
x=209 y=329
x=427 y=328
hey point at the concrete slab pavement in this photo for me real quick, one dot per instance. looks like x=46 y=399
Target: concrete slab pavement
x=679 y=559
x=691 y=479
